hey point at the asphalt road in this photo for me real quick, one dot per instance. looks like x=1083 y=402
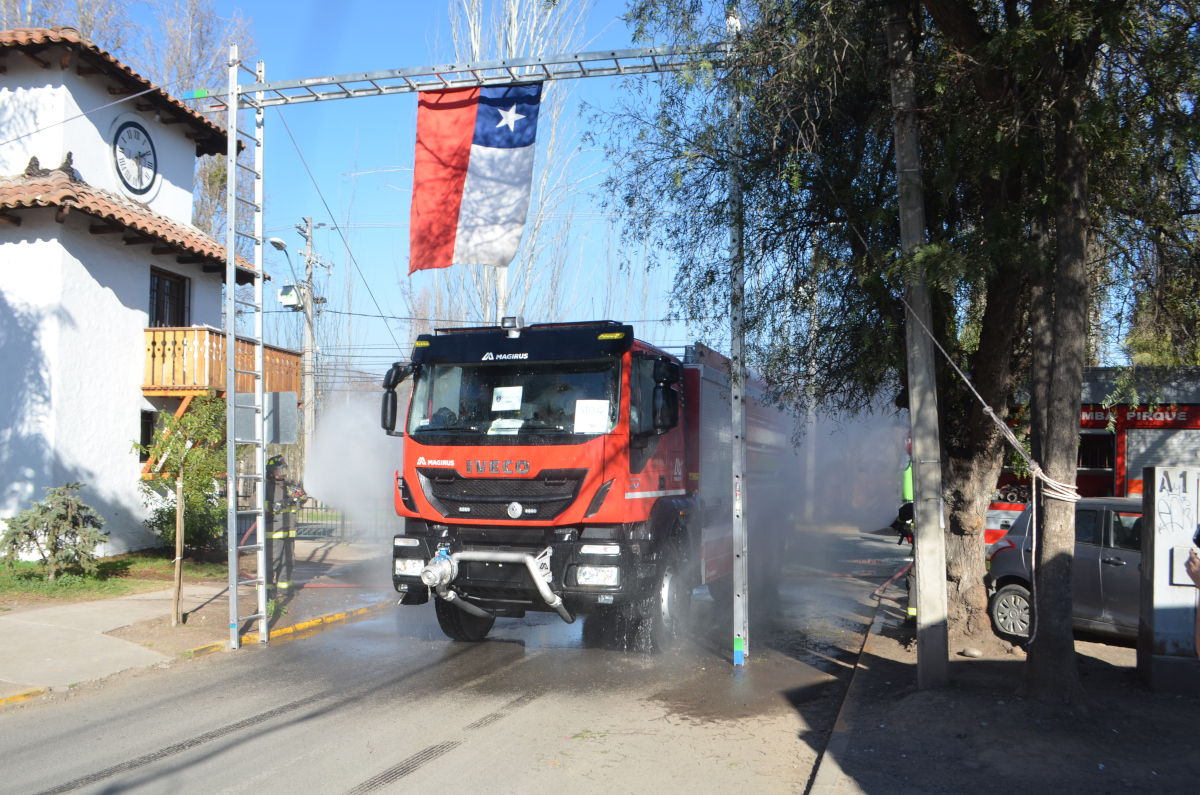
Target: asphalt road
x=390 y=705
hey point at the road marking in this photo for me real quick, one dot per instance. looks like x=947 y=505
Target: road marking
x=410 y=765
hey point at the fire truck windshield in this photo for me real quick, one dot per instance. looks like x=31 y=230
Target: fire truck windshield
x=517 y=398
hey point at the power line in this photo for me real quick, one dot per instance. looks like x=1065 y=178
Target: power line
x=85 y=113
x=333 y=220
x=453 y=320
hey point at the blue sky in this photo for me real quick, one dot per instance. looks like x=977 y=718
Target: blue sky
x=358 y=150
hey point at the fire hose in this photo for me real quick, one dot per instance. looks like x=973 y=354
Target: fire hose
x=443 y=569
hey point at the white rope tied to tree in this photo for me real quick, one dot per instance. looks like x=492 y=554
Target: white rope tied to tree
x=1054 y=489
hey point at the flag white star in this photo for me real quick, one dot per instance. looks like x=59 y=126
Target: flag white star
x=509 y=117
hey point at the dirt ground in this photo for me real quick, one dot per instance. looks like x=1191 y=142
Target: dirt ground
x=331 y=578
x=979 y=734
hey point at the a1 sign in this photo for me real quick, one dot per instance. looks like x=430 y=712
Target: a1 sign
x=1167 y=633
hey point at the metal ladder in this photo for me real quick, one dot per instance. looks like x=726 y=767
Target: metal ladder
x=256 y=510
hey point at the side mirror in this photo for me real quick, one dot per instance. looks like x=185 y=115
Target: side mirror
x=395 y=375
x=388 y=413
x=666 y=408
x=666 y=372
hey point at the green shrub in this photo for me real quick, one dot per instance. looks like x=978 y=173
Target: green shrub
x=203 y=521
x=62 y=530
x=191 y=446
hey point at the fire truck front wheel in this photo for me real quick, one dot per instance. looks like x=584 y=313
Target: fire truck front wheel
x=667 y=609
x=460 y=625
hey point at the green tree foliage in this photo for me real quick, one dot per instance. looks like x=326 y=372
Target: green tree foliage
x=1059 y=153
x=62 y=530
x=191 y=446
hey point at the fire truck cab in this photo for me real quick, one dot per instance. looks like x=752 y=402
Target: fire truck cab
x=553 y=467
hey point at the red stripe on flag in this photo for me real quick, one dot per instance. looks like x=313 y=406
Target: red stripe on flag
x=445 y=129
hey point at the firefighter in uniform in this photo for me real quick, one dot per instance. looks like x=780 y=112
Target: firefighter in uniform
x=281 y=510
x=903 y=525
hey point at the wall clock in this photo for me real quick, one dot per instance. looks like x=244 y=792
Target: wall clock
x=134 y=157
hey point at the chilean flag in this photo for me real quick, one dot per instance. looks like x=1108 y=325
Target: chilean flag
x=472 y=175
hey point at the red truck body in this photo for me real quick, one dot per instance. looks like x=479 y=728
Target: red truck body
x=553 y=455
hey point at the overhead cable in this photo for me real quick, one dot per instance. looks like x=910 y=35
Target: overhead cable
x=333 y=220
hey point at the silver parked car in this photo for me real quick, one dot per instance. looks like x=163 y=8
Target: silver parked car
x=1106 y=571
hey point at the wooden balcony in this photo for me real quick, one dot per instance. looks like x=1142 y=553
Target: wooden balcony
x=189 y=361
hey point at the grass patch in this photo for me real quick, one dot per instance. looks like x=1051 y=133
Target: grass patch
x=134 y=572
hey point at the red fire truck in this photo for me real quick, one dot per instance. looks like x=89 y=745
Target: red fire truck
x=573 y=468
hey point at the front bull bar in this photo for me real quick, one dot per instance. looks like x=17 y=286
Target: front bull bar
x=539 y=569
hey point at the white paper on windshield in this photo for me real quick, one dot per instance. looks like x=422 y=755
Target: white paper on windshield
x=503 y=427
x=507 y=398
x=591 y=416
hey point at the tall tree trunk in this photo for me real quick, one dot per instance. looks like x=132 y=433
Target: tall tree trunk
x=1041 y=326
x=972 y=473
x=1051 y=673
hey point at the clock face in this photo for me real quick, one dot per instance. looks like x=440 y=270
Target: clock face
x=134 y=157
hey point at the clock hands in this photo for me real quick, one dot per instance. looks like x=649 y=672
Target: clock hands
x=137 y=160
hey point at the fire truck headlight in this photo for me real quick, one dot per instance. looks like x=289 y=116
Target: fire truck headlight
x=598 y=575
x=409 y=567
x=600 y=549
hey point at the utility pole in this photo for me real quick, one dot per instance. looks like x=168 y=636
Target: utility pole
x=308 y=367
x=933 y=653
x=737 y=374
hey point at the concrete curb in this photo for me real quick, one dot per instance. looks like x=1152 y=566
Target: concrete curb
x=208 y=648
x=24 y=695
x=829 y=770
x=304 y=629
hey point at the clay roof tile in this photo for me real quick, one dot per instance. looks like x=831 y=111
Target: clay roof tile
x=211 y=138
x=39 y=187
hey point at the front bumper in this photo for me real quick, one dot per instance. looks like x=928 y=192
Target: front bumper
x=510 y=584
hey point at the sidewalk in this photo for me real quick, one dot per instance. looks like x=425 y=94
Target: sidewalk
x=896 y=739
x=66 y=644
x=62 y=645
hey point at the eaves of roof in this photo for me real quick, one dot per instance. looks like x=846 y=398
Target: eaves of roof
x=87 y=59
x=39 y=187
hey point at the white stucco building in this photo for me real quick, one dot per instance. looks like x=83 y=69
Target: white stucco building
x=108 y=294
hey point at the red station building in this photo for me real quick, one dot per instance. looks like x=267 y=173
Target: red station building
x=1163 y=433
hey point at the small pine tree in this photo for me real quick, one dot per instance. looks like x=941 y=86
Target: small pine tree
x=62 y=529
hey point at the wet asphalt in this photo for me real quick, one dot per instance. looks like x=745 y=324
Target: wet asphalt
x=390 y=705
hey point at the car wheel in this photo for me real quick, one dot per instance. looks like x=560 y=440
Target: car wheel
x=1011 y=609
x=461 y=625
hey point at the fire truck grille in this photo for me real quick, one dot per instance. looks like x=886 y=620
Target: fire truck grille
x=542 y=497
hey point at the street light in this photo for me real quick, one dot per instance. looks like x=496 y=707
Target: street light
x=282 y=246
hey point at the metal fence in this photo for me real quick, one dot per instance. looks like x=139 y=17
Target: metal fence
x=374 y=520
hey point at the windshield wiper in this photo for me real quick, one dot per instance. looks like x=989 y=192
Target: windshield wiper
x=449 y=429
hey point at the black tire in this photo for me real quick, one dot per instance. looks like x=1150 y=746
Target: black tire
x=461 y=625
x=666 y=611
x=1011 y=611
x=611 y=628
x=721 y=591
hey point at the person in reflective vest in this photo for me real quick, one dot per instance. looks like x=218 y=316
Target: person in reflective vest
x=903 y=525
x=904 y=517
x=281 y=509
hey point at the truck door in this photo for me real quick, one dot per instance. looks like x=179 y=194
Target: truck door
x=655 y=461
